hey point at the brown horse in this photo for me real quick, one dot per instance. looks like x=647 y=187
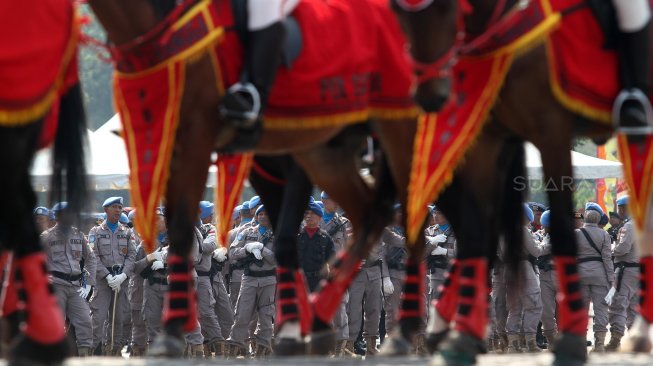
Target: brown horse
x=326 y=156
x=40 y=102
x=526 y=110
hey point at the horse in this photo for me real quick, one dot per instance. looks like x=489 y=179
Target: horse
x=40 y=103
x=527 y=108
x=324 y=155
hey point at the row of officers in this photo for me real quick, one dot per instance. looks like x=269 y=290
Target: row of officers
x=111 y=291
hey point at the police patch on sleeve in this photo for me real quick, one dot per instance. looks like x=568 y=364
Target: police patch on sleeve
x=91 y=239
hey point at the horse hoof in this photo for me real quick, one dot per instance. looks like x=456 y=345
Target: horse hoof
x=459 y=349
x=395 y=346
x=27 y=352
x=636 y=344
x=322 y=343
x=167 y=346
x=433 y=340
x=289 y=347
x=570 y=350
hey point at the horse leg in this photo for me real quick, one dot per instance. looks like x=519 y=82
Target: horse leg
x=286 y=205
x=572 y=316
x=43 y=340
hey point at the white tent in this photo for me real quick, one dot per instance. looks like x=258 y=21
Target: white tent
x=584 y=166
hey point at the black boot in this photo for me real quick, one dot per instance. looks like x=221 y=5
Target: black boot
x=632 y=110
x=245 y=102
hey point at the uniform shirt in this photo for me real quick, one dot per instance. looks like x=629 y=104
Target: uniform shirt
x=237 y=251
x=526 y=269
x=314 y=252
x=65 y=251
x=113 y=248
x=395 y=251
x=339 y=229
x=141 y=264
x=235 y=272
x=614 y=232
x=449 y=244
x=135 y=289
x=594 y=272
x=208 y=246
x=371 y=270
x=625 y=250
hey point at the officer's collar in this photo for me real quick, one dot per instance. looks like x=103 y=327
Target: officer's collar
x=105 y=225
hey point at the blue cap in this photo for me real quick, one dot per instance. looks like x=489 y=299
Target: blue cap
x=323 y=195
x=545 y=219
x=123 y=219
x=234 y=215
x=622 y=201
x=528 y=213
x=260 y=209
x=112 y=200
x=245 y=206
x=160 y=211
x=132 y=215
x=592 y=206
x=255 y=201
x=59 y=206
x=311 y=199
x=321 y=204
x=316 y=209
x=536 y=206
x=206 y=209
x=41 y=211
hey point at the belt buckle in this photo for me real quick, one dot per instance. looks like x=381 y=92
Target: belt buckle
x=116 y=269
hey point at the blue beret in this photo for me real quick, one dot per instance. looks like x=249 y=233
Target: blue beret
x=311 y=199
x=41 y=211
x=323 y=195
x=536 y=206
x=255 y=201
x=397 y=206
x=591 y=206
x=206 y=209
x=528 y=213
x=123 y=219
x=160 y=211
x=260 y=209
x=545 y=219
x=132 y=215
x=321 y=204
x=316 y=209
x=622 y=201
x=112 y=200
x=59 y=206
x=245 y=206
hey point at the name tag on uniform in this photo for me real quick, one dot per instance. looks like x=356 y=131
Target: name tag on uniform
x=122 y=236
x=56 y=242
x=76 y=241
x=103 y=236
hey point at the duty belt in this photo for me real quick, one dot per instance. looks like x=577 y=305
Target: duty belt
x=252 y=273
x=397 y=266
x=67 y=277
x=620 y=275
x=203 y=273
x=372 y=264
x=157 y=281
x=544 y=263
x=435 y=262
x=116 y=269
x=589 y=259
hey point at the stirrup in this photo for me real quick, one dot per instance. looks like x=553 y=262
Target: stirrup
x=250 y=113
x=639 y=97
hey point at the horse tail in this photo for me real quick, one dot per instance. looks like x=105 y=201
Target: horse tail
x=69 y=170
x=512 y=188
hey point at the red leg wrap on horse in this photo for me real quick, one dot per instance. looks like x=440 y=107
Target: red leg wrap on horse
x=471 y=317
x=180 y=301
x=572 y=315
x=292 y=299
x=645 y=287
x=447 y=300
x=45 y=323
x=412 y=298
x=326 y=301
x=305 y=311
x=10 y=296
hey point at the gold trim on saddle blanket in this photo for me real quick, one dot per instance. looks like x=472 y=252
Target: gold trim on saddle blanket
x=38 y=109
x=637 y=159
x=439 y=149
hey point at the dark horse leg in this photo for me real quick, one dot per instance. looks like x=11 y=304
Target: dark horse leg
x=284 y=189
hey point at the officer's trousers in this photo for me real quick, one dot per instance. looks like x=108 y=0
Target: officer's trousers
x=365 y=294
x=77 y=311
x=254 y=299
x=223 y=309
x=548 y=288
x=206 y=307
x=624 y=300
x=596 y=294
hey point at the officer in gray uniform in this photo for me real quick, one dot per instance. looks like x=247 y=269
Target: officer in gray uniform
x=69 y=258
x=138 y=330
x=365 y=292
x=548 y=283
x=214 y=340
x=440 y=249
x=236 y=268
x=341 y=232
x=254 y=248
x=42 y=218
x=394 y=241
x=523 y=296
x=116 y=253
x=595 y=270
x=626 y=263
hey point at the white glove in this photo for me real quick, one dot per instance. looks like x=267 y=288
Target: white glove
x=257 y=254
x=253 y=245
x=220 y=254
x=439 y=251
x=610 y=295
x=109 y=278
x=388 y=287
x=85 y=292
x=440 y=238
x=117 y=281
x=157 y=265
x=155 y=256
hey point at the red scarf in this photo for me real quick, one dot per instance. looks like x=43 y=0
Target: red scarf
x=311 y=231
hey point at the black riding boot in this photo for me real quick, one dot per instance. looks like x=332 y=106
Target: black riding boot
x=632 y=109
x=244 y=103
